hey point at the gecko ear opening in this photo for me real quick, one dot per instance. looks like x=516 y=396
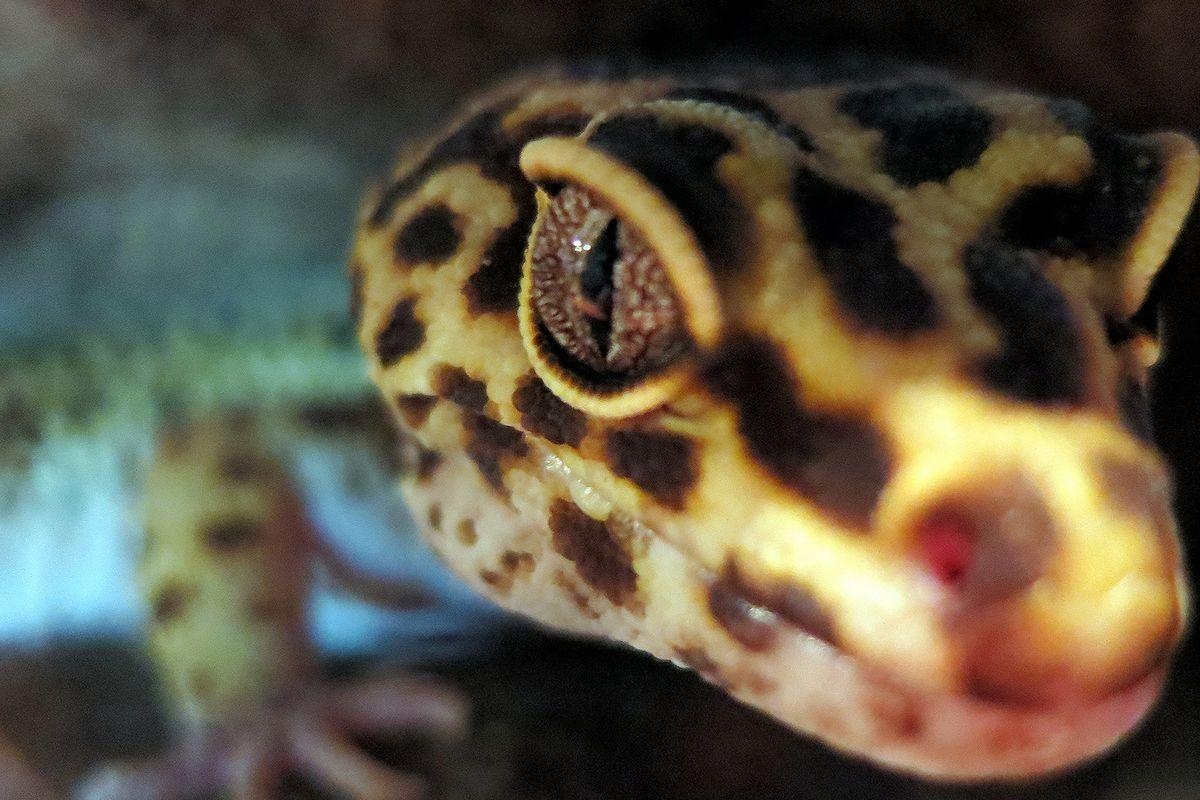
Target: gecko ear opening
x=1164 y=218
x=616 y=298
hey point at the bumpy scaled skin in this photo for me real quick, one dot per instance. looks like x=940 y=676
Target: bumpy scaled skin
x=829 y=393
x=227 y=571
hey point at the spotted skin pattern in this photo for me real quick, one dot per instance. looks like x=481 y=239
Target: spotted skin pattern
x=227 y=570
x=881 y=487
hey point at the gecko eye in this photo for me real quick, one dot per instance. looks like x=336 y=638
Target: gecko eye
x=617 y=299
x=601 y=293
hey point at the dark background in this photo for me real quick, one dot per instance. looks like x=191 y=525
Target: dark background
x=185 y=140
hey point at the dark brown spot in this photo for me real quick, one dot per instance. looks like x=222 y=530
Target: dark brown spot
x=753 y=614
x=466 y=533
x=415 y=408
x=432 y=236
x=1096 y=217
x=490 y=444
x=679 y=159
x=403 y=334
x=427 y=463
x=851 y=238
x=435 y=516
x=840 y=464
x=170 y=602
x=544 y=414
x=664 y=465
x=454 y=384
x=517 y=564
x=416 y=459
x=481 y=141
x=579 y=598
x=478 y=141
x=1042 y=357
x=598 y=555
x=929 y=131
x=498 y=581
x=227 y=536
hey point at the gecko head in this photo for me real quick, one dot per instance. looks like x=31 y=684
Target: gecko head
x=830 y=394
x=902 y=432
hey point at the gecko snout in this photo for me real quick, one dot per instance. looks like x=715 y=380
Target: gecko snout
x=1046 y=609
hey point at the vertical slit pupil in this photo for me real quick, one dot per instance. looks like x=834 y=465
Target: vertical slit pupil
x=596 y=283
x=596 y=279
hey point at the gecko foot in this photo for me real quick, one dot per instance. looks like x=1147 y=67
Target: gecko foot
x=313 y=737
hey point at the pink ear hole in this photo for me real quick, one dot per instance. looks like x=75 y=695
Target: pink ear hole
x=945 y=545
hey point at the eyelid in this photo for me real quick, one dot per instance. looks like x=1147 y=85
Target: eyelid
x=602 y=396
x=632 y=199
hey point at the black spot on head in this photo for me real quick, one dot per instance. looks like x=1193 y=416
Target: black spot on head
x=840 y=464
x=1095 y=218
x=851 y=237
x=662 y=464
x=490 y=444
x=415 y=408
x=454 y=384
x=680 y=161
x=929 y=131
x=432 y=236
x=544 y=414
x=170 y=601
x=481 y=141
x=748 y=105
x=478 y=141
x=597 y=553
x=403 y=334
x=1042 y=358
x=495 y=286
x=435 y=516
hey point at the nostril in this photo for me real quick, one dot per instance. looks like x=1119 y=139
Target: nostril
x=986 y=541
x=946 y=547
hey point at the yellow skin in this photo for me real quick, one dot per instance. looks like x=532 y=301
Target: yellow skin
x=879 y=482
x=227 y=569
